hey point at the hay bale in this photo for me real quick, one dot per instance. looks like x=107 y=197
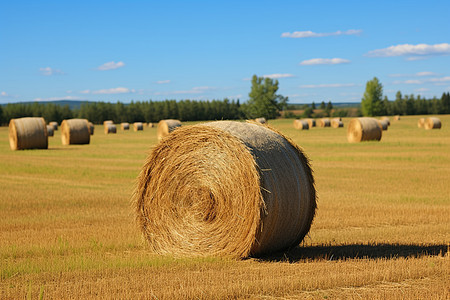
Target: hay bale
x=75 y=132
x=150 y=125
x=383 y=124
x=50 y=130
x=54 y=125
x=225 y=188
x=138 y=126
x=397 y=118
x=432 y=123
x=107 y=122
x=28 y=133
x=166 y=126
x=110 y=128
x=363 y=129
x=311 y=122
x=324 y=122
x=301 y=124
x=91 y=128
x=261 y=120
x=125 y=126
x=386 y=119
x=421 y=123
x=336 y=123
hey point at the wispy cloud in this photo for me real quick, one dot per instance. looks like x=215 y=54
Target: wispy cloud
x=58 y=98
x=307 y=34
x=49 y=71
x=324 y=61
x=421 y=90
x=111 y=66
x=118 y=90
x=4 y=94
x=163 y=81
x=277 y=76
x=418 y=74
x=436 y=81
x=328 y=85
x=414 y=51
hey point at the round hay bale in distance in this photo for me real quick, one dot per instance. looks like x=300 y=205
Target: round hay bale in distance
x=167 y=126
x=421 y=123
x=110 y=128
x=138 y=126
x=386 y=119
x=364 y=129
x=150 y=125
x=50 y=130
x=75 y=132
x=54 y=125
x=311 y=122
x=28 y=133
x=325 y=122
x=301 y=124
x=432 y=123
x=383 y=124
x=261 y=120
x=336 y=123
x=225 y=188
x=91 y=128
x=397 y=118
x=125 y=126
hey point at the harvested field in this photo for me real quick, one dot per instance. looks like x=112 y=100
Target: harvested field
x=381 y=230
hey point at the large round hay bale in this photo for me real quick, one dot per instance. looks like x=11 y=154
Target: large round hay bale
x=75 y=132
x=54 y=125
x=386 y=119
x=138 y=126
x=325 y=122
x=301 y=124
x=125 y=126
x=261 y=120
x=432 y=123
x=421 y=123
x=225 y=188
x=336 y=123
x=166 y=126
x=50 y=130
x=383 y=124
x=311 y=122
x=28 y=133
x=363 y=129
x=91 y=128
x=110 y=128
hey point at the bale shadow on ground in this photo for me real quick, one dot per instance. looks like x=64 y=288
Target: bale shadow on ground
x=357 y=251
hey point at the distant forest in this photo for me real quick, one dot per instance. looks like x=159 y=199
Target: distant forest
x=193 y=110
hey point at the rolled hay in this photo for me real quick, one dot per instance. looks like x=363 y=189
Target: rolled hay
x=383 y=124
x=301 y=124
x=54 y=125
x=363 y=129
x=150 y=125
x=386 y=119
x=167 y=126
x=432 y=123
x=75 y=132
x=107 y=122
x=311 y=122
x=325 y=122
x=110 y=128
x=28 y=133
x=50 y=130
x=397 y=118
x=261 y=120
x=421 y=123
x=225 y=189
x=336 y=123
x=125 y=126
x=138 y=126
x=91 y=128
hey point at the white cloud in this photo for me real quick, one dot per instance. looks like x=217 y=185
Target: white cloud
x=418 y=74
x=194 y=90
x=306 y=34
x=411 y=50
x=85 y=92
x=4 y=94
x=421 y=90
x=111 y=66
x=324 y=61
x=327 y=85
x=277 y=76
x=58 y=98
x=440 y=80
x=411 y=81
x=49 y=71
x=163 y=81
x=118 y=90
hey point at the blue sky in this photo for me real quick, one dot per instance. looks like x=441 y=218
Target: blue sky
x=142 y=50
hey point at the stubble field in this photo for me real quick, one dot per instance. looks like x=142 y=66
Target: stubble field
x=382 y=228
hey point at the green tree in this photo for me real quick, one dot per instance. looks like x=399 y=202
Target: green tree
x=371 y=104
x=264 y=101
x=322 y=105
x=313 y=105
x=1 y=116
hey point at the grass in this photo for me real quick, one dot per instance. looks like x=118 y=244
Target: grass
x=382 y=229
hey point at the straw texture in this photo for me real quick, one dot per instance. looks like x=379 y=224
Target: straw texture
x=325 y=122
x=28 y=133
x=75 y=132
x=227 y=189
x=363 y=129
x=261 y=120
x=54 y=125
x=301 y=124
x=432 y=123
x=421 y=123
x=50 y=130
x=138 y=126
x=125 y=126
x=336 y=123
x=110 y=128
x=166 y=126
x=91 y=128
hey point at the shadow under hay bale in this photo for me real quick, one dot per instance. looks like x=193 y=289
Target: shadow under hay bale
x=363 y=129
x=226 y=189
x=75 y=132
x=28 y=133
x=166 y=126
x=432 y=123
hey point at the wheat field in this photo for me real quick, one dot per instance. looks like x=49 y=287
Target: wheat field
x=382 y=228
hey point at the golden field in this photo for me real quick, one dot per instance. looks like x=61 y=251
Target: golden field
x=382 y=228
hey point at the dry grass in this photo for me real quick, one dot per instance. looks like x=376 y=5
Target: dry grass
x=381 y=230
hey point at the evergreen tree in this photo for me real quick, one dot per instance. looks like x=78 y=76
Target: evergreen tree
x=313 y=105
x=371 y=101
x=322 y=105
